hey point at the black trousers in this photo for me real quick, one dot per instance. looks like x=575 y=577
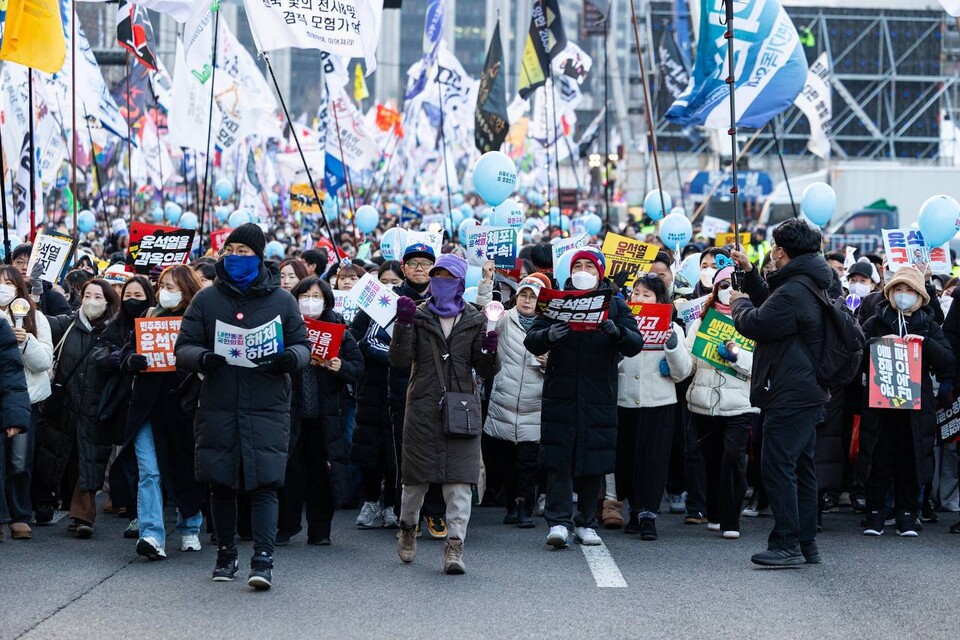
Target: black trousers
x=515 y=464
x=894 y=460
x=755 y=462
x=723 y=440
x=644 y=439
x=433 y=504
x=263 y=515
x=384 y=472
x=695 y=469
x=308 y=481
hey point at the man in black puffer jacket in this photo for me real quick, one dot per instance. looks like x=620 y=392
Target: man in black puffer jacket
x=788 y=325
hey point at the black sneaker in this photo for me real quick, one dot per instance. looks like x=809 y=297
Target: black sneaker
x=928 y=514
x=648 y=529
x=695 y=517
x=906 y=524
x=284 y=535
x=778 y=558
x=513 y=514
x=227 y=565
x=525 y=514
x=633 y=524
x=44 y=514
x=873 y=523
x=261 y=571
x=811 y=553
x=828 y=504
x=858 y=504
x=955 y=527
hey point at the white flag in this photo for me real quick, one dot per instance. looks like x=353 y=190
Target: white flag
x=241 y=92
x=359 y=149
x=179 y=10
x=816 y=103
x=189 y=107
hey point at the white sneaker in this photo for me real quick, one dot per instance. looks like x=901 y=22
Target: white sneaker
x=731 y=535
x=371 y=515
x=752 y=511
x=541 y=505
x=713 y=526
x=587 y=536
x=677 y=503
x=150 y=548
x=559 y=537
x=390 y=519
x=190 y=543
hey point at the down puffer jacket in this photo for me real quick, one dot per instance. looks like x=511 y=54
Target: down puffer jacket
x=715 y=393
x=516 y=396
x=641 y=385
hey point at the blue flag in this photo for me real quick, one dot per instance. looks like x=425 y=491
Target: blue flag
x=432 y=30
x=771 y=67
x=333 y=174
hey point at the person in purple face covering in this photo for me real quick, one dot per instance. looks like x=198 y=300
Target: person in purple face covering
x=458 y=331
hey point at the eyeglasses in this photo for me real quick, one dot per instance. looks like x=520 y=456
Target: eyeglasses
x=311 y=296
x=419 y=264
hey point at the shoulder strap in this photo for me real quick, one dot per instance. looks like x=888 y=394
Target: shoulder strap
x=439 y=365
x=57 y=349
x=820 y=294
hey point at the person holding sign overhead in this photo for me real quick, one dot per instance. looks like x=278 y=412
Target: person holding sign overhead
x=242 y=427
x=897 y=445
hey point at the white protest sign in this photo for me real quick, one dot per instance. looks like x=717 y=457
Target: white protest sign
x=376 y=299
x=690 y=310
x=248 y=347
x=711 y=226
x=561 y=247
x=52 y=252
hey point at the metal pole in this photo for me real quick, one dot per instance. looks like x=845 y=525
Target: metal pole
x=446 y=172
x=206 y=159
x=73 y=101
x=731 y=83
x=648 y=108
x=606 y=122
x=32 y=199
x=783 y=167
x=129 y=145
x=3 y=204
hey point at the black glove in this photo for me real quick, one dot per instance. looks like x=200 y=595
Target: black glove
x=211 y=362
x=557 y=331
x=621 y=279
x=36 y=284
x=610 y=328
x=286 y=362
x=137 y=362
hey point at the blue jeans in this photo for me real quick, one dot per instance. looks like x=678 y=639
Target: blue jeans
x=150 y=492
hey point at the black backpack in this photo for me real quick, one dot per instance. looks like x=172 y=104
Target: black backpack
x=843 y=343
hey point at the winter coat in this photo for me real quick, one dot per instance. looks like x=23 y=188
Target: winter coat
x=951 y=324
x=14 y=397
x=52 y=302
x=37 y=355
x=578 y=426
x=715 y=393
x=428 y=454
x=372 y=432
x=242 y=424
x=938 y=359
x=641 y=385
x=517 y=390
x=399 y=378
x=788 y=326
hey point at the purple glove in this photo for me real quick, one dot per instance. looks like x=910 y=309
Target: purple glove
x=406 y=308
x=489 y=342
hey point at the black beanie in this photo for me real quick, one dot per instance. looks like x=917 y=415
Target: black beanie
x=250 y=235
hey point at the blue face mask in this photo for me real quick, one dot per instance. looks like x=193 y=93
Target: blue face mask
x=242 y=270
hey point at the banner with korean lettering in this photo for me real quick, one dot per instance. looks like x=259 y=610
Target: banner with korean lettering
x=249 y=347
x=52 y=250
x=218 y=238
x=492 y=243
x=624 y=254
x=654 y=323
x=690 y=310
x=895 y=375
x=584 y=310
x=562 y=246
x=156 y=339
x=948 y=423
x=907 y=246
x=717 y=329
x=377 y=300
x=325 y=339
x=345 y=305
x=154 y=245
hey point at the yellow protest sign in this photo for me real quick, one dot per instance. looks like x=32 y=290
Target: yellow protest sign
x=723 y=239
x=302 y=199
x=624 y=254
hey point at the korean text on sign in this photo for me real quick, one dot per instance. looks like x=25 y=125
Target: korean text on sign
x=717 y=329
x=156 y=339
x=325 y=339
x=626 y=255
x=895 y=374
x=584 y=310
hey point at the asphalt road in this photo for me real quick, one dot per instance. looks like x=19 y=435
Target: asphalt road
x=690 y=583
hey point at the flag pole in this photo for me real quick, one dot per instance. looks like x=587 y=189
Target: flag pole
x=33 y=159
x=3 y=203
x=186 y=183
x=306 y=167
x=73 y=114
x=215 y=7
x=129 y=145
x=351 y=196
x=93 y=160
x=731 y=83
x=783 y=167
x=156 y=106
x=446 y=171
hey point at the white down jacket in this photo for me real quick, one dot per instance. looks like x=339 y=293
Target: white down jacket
x=37 y=355
x=515 y=400
x=640 y=384
x=714 y=393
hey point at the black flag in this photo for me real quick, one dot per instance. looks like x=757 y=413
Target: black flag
x=676 y=77
x=135 y=33
x=545 y=40
x=490 y=117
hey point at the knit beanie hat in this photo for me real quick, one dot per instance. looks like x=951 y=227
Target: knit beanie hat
x=456 y=265
x=542 y=278
x=913 y=278
x=593 y=256
x=250 y=235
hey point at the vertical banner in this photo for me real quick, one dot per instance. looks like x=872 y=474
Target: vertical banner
x=52 y=252
x=584 y=310
x=624 y=254
x=653 y=321
x=325 y=339
x=156 y=338
x=717 y=329
x=895 y=374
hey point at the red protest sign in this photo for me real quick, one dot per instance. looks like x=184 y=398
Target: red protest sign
x=217 y=238
x=584 y=310
x=325 y=339
x=895 y=374
x=653 y=321
x=156 y=338
x=153 y=245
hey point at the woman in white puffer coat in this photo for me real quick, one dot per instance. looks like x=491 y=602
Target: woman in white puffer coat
x=646 y=407
x=512 y=428
x=722 y=413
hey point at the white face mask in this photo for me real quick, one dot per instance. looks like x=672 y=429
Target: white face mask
x=7 y=294
x=706 y=276
x=945 y=303
x=724 y=296
x=584 y=280
x=170 y=299
x=93 y=309
x=311 y=307
x=861 y=289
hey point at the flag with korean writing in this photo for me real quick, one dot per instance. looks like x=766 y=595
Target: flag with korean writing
x=154 y=246
x=626 y=255
x=584 y=310
x=895 y=374
x=249 y=347
x=156 y=339
x=654 y=323
x=907 y=246
x=717 y=329
x=51 y=250
x=325 y=339
x=377 y=300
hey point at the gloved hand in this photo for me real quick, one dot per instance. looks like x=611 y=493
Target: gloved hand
x=556 y=332
x=114 y=360
x=211 y=361
x=286 y=362
x=945 y=394
x=137 y=362
x=489 y=342
x=725 y=353
x=406 y=308
x=664 y=368
x=621 y=279
x=36 y=284
x=610 y=328
x=672 y=341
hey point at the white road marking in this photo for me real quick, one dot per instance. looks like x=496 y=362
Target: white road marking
x=605 y=571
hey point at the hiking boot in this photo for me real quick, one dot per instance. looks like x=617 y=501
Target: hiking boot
x=227 y=565
x=513 y=515
x=906 y=524
x=633 y=524
x=778 y=558
x=453 y=557
x=407 y=547
x=612 y=514
x=151 y=549
x=559 y=537
x=677 y=503
x=20 y=531
x=695 y=517
x=436 y=527
x=811 y=553
x=873 y=526
x=371 y=516
x=132 y=532
x=261 y=571
x=648 y=529
x=390 y=519
x=525 y=515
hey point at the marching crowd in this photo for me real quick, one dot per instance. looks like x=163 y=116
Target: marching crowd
x=454 y=404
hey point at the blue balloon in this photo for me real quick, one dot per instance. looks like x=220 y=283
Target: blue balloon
x=14 y=241
x=275 y=249
x=689 y=273
x=473 y=276
x=223 y=213
x=554 y=216
x=470 y=294
x=457 y=216
x=652 y=206
x=172 y=212
x=494 y=177
x=457 y=199
x=819 y=203
x=486 y=213
x=466 y=209
x=188 y=220
x=593 y=223
x=464 y=226
x=393 y=243
x=561 y=272
x=86 y=221
x=238 y=218
x=223 y=189
x=366 y=218
x=675 y=230
x=508 y=213
x=939 y=220
x=331 y=207
x=564 y=223
x=156 y=214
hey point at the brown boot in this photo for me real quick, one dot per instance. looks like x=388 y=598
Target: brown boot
x=612 y=515
x=407 y=545
x=453 y=557
x=20 y=531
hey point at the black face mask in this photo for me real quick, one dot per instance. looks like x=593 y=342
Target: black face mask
x=134 y=307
